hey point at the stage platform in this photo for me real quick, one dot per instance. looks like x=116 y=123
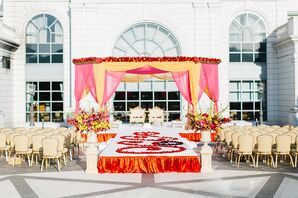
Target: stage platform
x=154 y=151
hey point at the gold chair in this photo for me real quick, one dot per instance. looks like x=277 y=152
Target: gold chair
x=3 y=146
x=22 y=147
x=156 y=114
x=264 y=148
x=295 y=152
x=234 y=144
x=137 y=115
x=283 y=147
x=37 y=147
x=245 y=148
x=61 y=146
x=50 y=152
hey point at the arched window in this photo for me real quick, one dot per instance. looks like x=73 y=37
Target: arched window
x=146 y=39
x=247 y=39
x=44 y=40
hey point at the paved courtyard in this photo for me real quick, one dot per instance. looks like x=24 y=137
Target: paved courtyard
x=225 y=181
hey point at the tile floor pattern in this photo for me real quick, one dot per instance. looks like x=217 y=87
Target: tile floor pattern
x=225 y=181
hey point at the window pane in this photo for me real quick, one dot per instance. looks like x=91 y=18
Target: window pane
x=260 y=57
x=257 y=105
x=235 y=115
x=247 y=96
x=31 y=58
x=57 y=58
x=57 y=86
x=132 y=105
x=49 y=19
x=247 y=57
x=31 y=48
x=235 y=106
x=248 y=105
x=260 y=47
x=46 y=117
x=174 y=106
x=235 y=37
x=44 y=106
x=146 y=95
x=57 y=48
x=175 y=95
x=44 y=48
x=248 y=116
x=247 y=47
x=146 y=105
x=133 y=95
x=57 y=96
x=260 y=37
x=247 y=85
x=234 y=57
x=57 y=117
x=235 y=85
x=44 y=96
x=57 y=106
x=234 y=47
x=44 y=85
x=160 y=95
x=162 y=105
x=235 y=96
x=44 y=58
x=119 y=95
x=57 y=38
x=119 y=106
x=174 y=116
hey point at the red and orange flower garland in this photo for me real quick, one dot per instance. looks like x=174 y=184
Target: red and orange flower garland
x=146 y=59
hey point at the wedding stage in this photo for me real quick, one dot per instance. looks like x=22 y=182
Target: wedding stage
x=148 y=152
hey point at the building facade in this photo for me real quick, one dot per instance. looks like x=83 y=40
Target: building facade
x=256 y=41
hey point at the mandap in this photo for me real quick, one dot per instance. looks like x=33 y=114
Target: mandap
x=100 y=77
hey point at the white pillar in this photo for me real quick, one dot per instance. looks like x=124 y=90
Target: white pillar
x=206 y=153
x=92 y=153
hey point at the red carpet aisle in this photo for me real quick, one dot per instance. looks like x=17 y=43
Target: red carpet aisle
x=148 y=152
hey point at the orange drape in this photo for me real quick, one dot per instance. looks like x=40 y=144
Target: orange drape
x=148 y=164
x=197 y=136
x=101 y=137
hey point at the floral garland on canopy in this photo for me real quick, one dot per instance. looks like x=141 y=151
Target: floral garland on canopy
x=145 y=59
x=89 y=121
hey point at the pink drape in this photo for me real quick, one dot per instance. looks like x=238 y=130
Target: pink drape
x=112 y=81
x=84 y=79
x=182 y=82
x=209 y=83
x=147 y=69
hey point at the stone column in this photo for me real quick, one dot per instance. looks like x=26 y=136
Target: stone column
x=92 y=153
x=206 y=153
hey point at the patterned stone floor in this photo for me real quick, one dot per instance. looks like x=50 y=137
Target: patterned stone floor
x=225 y=181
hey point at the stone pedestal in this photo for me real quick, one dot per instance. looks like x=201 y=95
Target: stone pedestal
x=206 y=158
x=92 y=153
x=206 y=153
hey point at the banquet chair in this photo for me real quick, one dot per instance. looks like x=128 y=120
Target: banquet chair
x=22 y=147
x=50 y=152
x=295 y=152
x=245 y=148
x=68 y=143
x=137 y=115
x=36 y=147
x=156 y=114
x=264 y=148
x=61 y=146
x=283 y=147
x=3 y=146
x=234 y=144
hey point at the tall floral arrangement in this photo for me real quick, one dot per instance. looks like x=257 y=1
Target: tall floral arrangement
x=200 y=121
x=90 y=121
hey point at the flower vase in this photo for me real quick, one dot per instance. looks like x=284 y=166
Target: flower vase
x=92 y=137
x=205 y=136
